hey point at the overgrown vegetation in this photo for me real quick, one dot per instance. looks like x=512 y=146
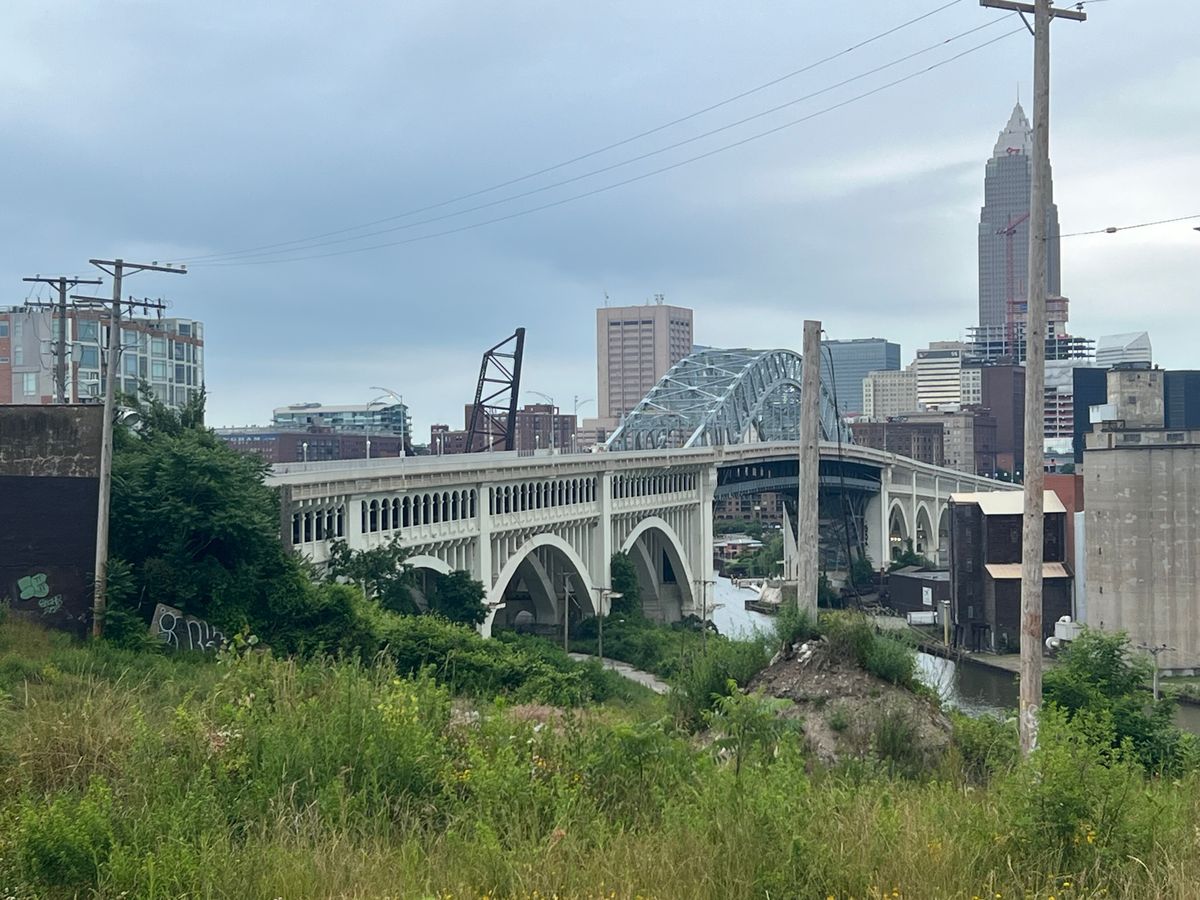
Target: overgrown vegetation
x=144 y=775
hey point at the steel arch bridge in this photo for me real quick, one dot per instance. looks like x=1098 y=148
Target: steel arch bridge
x=719 y=397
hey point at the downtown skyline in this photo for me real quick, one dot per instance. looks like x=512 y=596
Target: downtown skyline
x=165 y=157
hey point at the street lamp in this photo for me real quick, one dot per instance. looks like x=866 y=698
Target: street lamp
x=575 y=420
x=605 y=594
x=553 y=415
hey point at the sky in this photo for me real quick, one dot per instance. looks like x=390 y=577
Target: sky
x=169 y=131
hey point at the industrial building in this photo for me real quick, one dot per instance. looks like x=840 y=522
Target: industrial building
x=985 y=569
x=1142 y=519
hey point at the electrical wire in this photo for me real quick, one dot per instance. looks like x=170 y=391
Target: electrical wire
x=517 y=180
x=620 y=164
x=608 y=187
x=1113 y=229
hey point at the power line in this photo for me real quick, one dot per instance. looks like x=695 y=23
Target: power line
x=608 y=187
x=617 y=165
x=1113 y=229
x=517 y=180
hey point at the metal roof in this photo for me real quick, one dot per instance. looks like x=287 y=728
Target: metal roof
x=1007 y=503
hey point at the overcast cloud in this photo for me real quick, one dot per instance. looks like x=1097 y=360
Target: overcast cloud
x=158 y=131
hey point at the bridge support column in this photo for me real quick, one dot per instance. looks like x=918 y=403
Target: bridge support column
x=483 y=557
x=602 y=544
x=878 y=544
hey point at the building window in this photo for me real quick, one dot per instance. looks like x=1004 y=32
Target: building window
x=89 y=357
x=158 y=370
x=88 y=330
x=3 y=329
x=158 y=347
x=29 y=383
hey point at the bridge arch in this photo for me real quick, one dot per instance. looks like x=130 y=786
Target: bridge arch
x=924 y=539
x=530 y=583
x=719 y=397
x=899 y=533
x=664 y=574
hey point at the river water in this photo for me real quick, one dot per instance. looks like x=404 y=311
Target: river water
x=973 y=688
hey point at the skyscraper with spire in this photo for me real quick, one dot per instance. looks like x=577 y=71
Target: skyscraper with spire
x=1004 y=227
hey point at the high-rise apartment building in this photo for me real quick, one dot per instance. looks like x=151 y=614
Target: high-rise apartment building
x=844 y=365
x=939 y=374
x=1004 y=225
x=889 y=393
x=165 y=354
x=346 y=418
x=635 y=346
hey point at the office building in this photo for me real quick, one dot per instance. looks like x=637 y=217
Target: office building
x=985 y=568
x=889 y=393
x=844 y=365
x=167 y=355
x=922 y=441
x=1143 y=520
x=1004 y=225
x=1115 y=349
x=1181 y=398
x=1089 y=387
x=939 y=374
x=1001 y=391
x=635 y=346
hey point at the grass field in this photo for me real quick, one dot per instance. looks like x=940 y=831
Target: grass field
x=138 y=775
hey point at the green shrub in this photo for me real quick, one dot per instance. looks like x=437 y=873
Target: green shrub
x=985 y=745
x=895 y=742
x=839 y=718
x=891 y=660
x=850 y=636
x=725 y=666
x=67 y=842
x=793 y=625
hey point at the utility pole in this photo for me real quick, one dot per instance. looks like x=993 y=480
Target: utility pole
x=566 y=611
x=62 y=284
x=118 y=269
x=1033 y=530
x=810 y=462
x=1154 y=651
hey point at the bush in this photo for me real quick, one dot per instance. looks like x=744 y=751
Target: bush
x=985 y=746
x=67 y=842
x=794 y=625
x=891 y=660
x=726 y=666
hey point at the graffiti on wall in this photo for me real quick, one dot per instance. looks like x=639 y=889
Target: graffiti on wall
x=180 y=631
x=51 y=595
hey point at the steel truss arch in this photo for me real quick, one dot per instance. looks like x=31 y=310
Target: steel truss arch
x=717 y=397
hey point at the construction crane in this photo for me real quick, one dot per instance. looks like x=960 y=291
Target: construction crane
x=1009 y=231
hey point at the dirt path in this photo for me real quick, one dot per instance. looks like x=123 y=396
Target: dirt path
x=643 y=678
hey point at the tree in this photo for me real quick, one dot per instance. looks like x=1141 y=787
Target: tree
x=196 y=526
x=459 y=598
x=910 y=557
x=1097 y=676
x=380 y=572
x=625 y=583
x=862 y=573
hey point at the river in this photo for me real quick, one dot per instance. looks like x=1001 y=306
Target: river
x=971 y=687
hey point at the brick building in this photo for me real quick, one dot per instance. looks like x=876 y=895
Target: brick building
x=985 y=568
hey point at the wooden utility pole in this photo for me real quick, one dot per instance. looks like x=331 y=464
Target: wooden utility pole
x=807 y=538
x=62 y=284
x=118 y=269
x=1033 y=530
